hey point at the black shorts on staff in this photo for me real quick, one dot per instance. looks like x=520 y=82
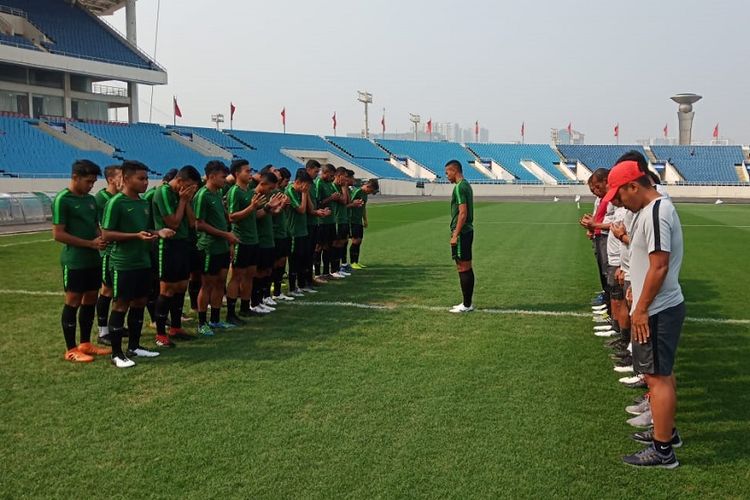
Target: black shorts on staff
x=461 y=251
x=656 y=355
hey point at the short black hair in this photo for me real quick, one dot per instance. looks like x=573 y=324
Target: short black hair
x=302 y=176
x=312 y=164
x=328 y=168
x=350 y=173
x=237 y=165
x=455 y=164
x=215 y=166
x=600 y=174
x=285 y=173
x=189 y=173
x=84 y=168
x=269 y=177
x=374 y=184
x=635 y=156
x=110 y=171
x=130 y=167
x=266 y=169
x=171 y=174
x=341 y=171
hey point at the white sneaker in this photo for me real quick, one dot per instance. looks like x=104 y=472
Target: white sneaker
x=462 y=309
x=103 y=331
x=642 y=420
x=297 y=292
x=284 y=297
x=630 y=380
x=259 y=309
x=599 y=307
x=608 y=333
x=122 y=362
x=269 y=301
x=338 y=276
x=266 y=307
x=142 y=352
x=344 y=273
x=624 y=369
x=307 y=289
x=602 y=328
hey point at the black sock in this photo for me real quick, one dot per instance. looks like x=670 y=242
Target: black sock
x=343 y=253
x=615 y=325
x=86 y=321
x=267 y=286
x=257 y=293
x=354 y=253
x=335 y=260
x=292 y=281
x=326 y=262
x=316 y=262
x=467 y=285
x=663 y=448
x=135 y=326
x=202 y=315
x=162 y=310
x=244 y=306
x=151 y=306
x=194 y=287
x=215 y=314
x=116 y=326
x=278 y=275
x=231 y=305
x=102 y=310
x=175 y=309
x=302 y=280
x=625 y=332
x=68 y=321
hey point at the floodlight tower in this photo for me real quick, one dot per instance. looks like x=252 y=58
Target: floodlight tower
x=685 y=115
x=415 y=119
x=366 y=98
x=217 y=119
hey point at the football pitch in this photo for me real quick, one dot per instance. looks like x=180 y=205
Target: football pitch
x=370 y=388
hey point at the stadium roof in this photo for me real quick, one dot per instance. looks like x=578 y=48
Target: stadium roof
x=102 y=7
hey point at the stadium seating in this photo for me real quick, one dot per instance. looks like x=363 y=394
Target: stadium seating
x=434 y=155
x=703 y=164
x=218 y=138
x=145 y=142
x=602 y=156
x=26 y=151
x=369 y=156
x=76 y=32
x=16 y=41
x=509 y=156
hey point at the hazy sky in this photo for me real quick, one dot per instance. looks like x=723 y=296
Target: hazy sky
x=545 y=62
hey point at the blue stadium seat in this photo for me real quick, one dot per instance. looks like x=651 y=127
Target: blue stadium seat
x=75 y=32
x=599 y=156
x=434 y=155
x=510 y=156
x=218 y=138
x=16 y=41
x=703 y=164
x=358 y=147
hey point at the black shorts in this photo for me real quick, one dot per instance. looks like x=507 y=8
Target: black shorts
x=326 y=234
x=266 y=258
x=342 y=231
x=245 y=256
x=131 y=284
x=213 y=264
x=173 y=260
x=461 y=252
x=106 y=272
x=616 y=291
x=154 y=252
x=81 y=280
x=357 y=231
x=195 y=258
x=656 y=356
x=283 y=247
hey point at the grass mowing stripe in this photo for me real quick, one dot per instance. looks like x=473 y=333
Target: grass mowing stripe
x=5 y=245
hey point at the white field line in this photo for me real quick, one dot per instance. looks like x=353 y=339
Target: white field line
x=537 y=223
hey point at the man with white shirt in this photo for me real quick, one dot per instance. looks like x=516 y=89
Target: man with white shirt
x=658 y=306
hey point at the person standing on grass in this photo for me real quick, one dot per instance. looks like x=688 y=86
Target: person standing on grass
x=462 y=232
x=126 y=224
x=75 y=225
x=358 y=218
x=658 y=306
x=113 y=176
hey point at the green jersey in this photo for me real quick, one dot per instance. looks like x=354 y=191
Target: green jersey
x=323 y=190
x=340 y=211
x=165 y=202
x=265 y=230
x=127 y=215
x=246 y=229
x=462 y=194
x=78 y=215
x=357 y=214
x=149 y=197
x=297 y=221
x=281 y=221
x=102 y=197
x=209 y=207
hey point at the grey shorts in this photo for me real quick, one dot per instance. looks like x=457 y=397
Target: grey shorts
x=616 y=291
x=656 y=356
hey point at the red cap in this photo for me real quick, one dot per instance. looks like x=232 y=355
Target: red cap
x=621 y=174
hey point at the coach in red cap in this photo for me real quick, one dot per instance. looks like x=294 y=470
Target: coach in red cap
x=658 y=307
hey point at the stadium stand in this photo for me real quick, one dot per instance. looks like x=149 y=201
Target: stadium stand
x=703 y=164
x=434 y=155
x=26 y=151
x=145 y=142
x=600 y=156
x=509 y=156
x=75 y=32
x=16 y=41
x=368 y=155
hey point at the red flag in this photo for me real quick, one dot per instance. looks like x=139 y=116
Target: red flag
x=177 y=111
x=283 y=116
x=570 y=129
x=666 y=130
x=523 y=129
x=617 y=130
x=429 y=126
x=382 y=123
x=232 y=109
x=716 y=131
x=476 y=127
x=334 y=120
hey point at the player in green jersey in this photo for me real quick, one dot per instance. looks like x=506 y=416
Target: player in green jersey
x=126 y=224
x=75 y=225
x=300 y=262
x=326 y=195
x=172 y=207
x=282 y=239
x=266 y=243
x=214 y=240
x=113 y=176
x=358 y=218
x=341 y=215
x=462 y=232
x=345 y=267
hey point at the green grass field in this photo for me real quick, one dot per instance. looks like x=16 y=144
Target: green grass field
x=339 y=400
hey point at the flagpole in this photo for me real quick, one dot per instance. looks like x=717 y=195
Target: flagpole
x=174 y=111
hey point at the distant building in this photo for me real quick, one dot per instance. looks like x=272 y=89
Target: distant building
x=562 y=136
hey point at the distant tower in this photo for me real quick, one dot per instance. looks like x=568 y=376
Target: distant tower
x=685 y=115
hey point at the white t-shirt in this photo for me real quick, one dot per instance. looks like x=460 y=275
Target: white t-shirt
x=613 y=244
x=657 y=228
x=625 y=249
